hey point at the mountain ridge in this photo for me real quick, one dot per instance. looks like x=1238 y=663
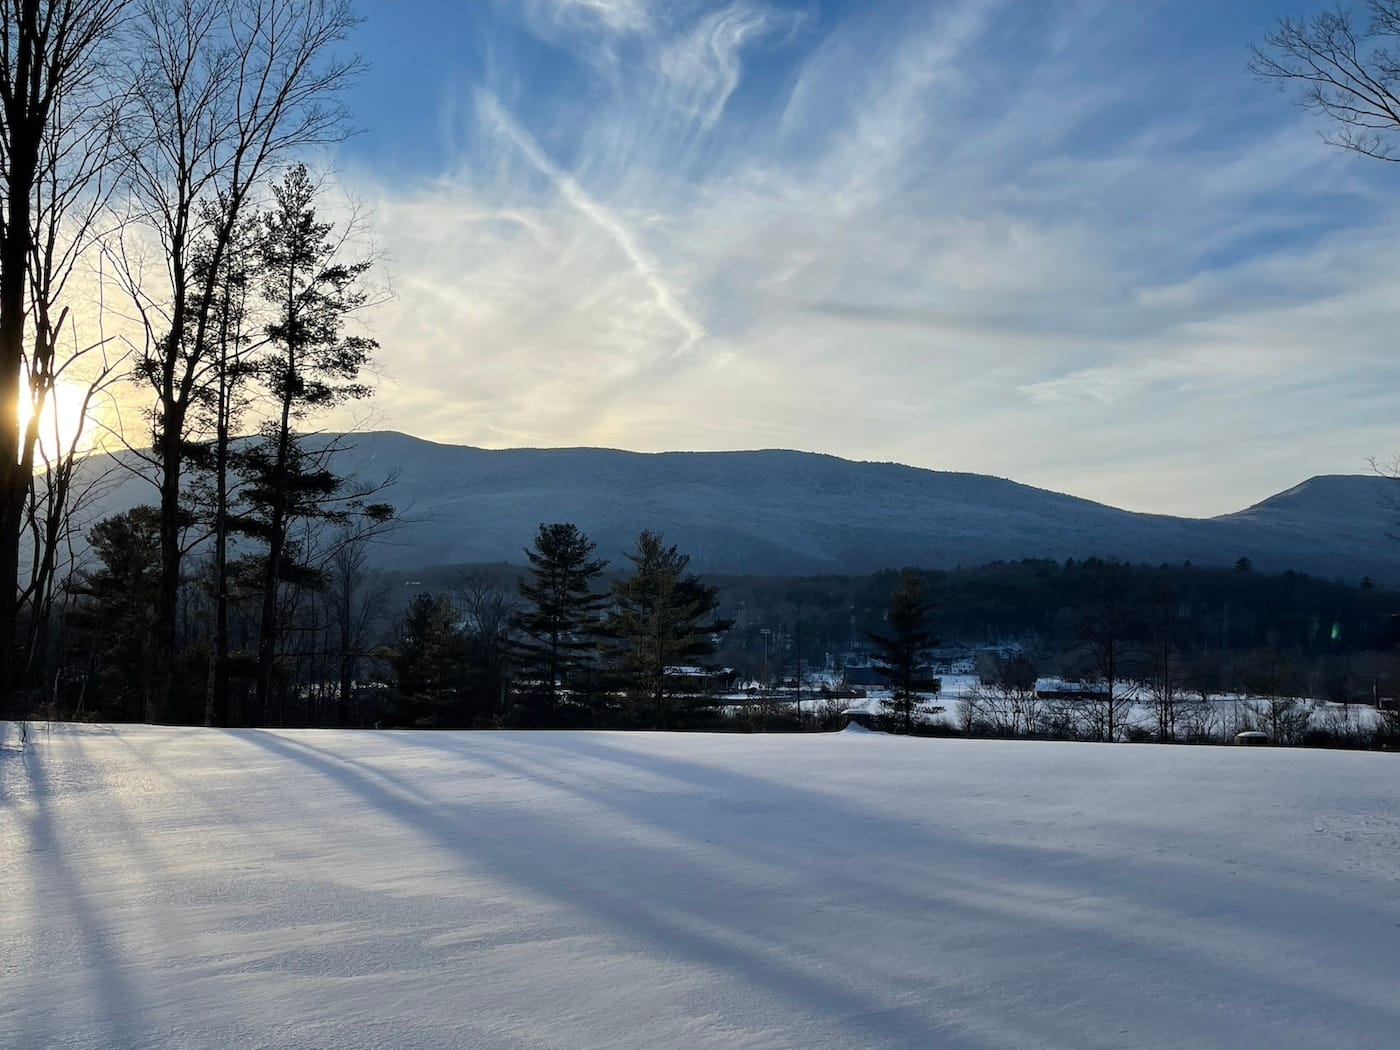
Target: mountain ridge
x=787 y=512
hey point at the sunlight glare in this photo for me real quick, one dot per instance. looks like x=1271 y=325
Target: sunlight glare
x=64 y=426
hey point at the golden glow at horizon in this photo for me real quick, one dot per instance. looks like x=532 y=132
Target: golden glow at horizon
x=63 y=425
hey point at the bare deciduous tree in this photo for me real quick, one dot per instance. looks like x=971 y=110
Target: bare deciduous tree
x=228 y=89
x=221 y=404
x=1345 y=68
x=57 y=119
x=488 y=609
x=354 y=603
x=1005 y=701
x=1269 y=680
x=1105 y=615
x=63 y=485
x=1165 y=673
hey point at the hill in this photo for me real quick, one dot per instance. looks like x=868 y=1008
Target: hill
x=781 y=512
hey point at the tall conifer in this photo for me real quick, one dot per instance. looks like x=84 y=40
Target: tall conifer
x=557 y=628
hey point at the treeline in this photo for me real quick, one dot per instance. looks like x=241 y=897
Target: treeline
x=1037 y=603
x=575 y=642
x=559 y=648
x=163 y=264
x=1170 y=641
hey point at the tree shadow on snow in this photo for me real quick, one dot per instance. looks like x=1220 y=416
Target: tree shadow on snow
x=754 y=905
x=117 y=1006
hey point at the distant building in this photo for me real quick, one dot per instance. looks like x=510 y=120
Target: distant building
x=873 y=678
x=865 y=677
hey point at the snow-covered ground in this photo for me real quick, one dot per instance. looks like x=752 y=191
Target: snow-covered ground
x=178 y=888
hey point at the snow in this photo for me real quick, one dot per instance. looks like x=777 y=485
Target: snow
x=168 y=888
x=1231 y=710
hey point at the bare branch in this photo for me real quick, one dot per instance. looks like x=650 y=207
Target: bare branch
x=1349 y=75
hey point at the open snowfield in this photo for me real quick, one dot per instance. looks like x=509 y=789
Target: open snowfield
x=188 y=888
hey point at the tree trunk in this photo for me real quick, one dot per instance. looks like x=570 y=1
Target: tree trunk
x=217 y=710
x=162 y=673
x=16 y=235
x=276 y=545
x=1112 y=706
x=550 y=697
x=346 y=686
x=346 y=683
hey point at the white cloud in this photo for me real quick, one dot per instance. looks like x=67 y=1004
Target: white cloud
x=607 y=223
x=703 y=64
x=913 y=253
x=618 y=16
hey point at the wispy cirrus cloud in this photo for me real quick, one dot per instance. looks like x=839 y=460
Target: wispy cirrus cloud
x=664 y=298
x=703 y=63
x=617 y=16
x=974 y=235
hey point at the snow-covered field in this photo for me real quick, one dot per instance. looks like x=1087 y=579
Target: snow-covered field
x=187 y=888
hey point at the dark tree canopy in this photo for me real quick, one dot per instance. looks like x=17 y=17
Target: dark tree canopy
x=662 y=617
x=311 y=364
x=118 y=618
x=902 y=648
x=557 y=628
x=429 y=649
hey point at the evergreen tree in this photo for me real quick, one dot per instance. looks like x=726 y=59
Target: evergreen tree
x=312 y=366
x=429 y=655
x=117 y=619
x=558 y=626
x=447 y=657
x=900 y=653
x=662 y=617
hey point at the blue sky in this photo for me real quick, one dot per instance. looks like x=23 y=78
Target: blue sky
x=1071 y=243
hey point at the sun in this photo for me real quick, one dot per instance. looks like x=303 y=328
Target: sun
x=64 y=426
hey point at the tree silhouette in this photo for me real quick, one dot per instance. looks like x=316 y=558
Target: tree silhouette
x=900 y=652
x=557 y=628
x=662 y=617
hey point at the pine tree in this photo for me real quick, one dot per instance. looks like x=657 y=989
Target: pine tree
x=429 y=657
x=558 y=626
x=900 y=653
x=662 y=617
x=312 y=366
x=117 y=617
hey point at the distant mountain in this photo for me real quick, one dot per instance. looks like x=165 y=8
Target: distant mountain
x=777 y=512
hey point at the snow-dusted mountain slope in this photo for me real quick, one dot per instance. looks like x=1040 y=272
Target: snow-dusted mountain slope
x=795 y=512
x=171 y=888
